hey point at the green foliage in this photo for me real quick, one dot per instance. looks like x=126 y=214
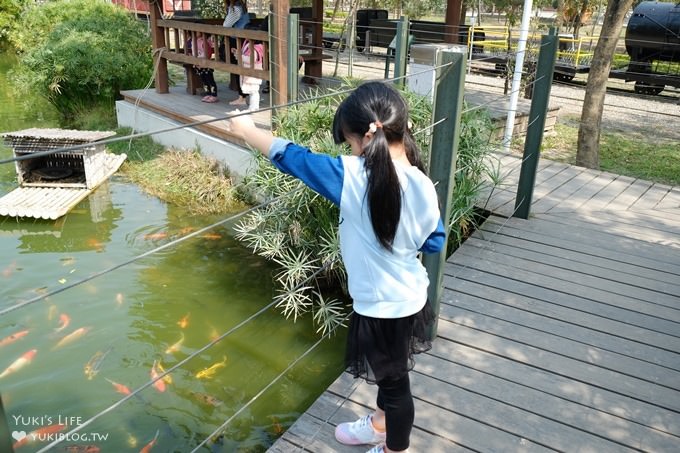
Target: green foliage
x=78 y=53
x=10 y=11
x=210 y=9
x=298 y=229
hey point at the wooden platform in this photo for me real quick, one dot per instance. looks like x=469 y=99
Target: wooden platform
x=558 y=333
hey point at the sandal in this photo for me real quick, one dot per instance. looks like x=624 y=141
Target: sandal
x=210 y=99
x=238 y=101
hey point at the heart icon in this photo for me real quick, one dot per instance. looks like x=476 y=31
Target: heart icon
x=18 y=435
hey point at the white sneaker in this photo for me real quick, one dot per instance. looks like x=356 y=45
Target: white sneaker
x=377 y=449
x=359 y=432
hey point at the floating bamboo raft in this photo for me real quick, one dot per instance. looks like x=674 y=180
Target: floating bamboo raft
x=50 y=186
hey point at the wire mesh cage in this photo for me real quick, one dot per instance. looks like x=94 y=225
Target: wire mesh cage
x=83 y=168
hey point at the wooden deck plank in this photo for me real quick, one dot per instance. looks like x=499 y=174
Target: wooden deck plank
x=550 y=415
x=671 y=200
x=628 y=283
x=577 y=283
x=579 y=231
x=566 y=192
x=566 y=322
x=607 y=194
x=513 y=325
x=579 y=252
x=630 y=195
x=523 y=372
x=574 y=369
x=585 y=193
x=651 y=197
x=648 y=329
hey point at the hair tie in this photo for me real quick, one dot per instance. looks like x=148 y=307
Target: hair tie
x=374 y=126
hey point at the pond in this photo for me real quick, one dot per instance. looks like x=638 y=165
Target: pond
x=89 y=343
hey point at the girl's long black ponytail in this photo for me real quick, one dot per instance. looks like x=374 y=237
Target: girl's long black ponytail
x=382 y=105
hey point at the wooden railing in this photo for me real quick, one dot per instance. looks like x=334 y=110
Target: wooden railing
x=174 y=41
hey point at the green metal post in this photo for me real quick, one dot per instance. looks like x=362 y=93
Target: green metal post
x=293 y=80
x=537 y=114
x=401 y=50
x=448 y=107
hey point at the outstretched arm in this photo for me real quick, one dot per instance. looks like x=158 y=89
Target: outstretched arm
x=244 y=128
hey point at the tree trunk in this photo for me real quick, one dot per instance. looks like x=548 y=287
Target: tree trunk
x=588 y=150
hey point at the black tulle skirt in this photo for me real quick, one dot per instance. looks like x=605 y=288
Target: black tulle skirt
x=380 y=349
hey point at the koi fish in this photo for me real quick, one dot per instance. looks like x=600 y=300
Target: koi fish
x=95 y=244
x=212 y=369
x=67 y=261
x=120 y=388
x=51 y=313
x=184 y=322
x=278 y=429
x=19 y=363
x=187 y=230
x=72 y=337
x=119 y=299
x=175 y=347
x=167 y=378
x=207 y=399
x=94 y=364
x=147 y=448
x=14 y=337
x=64 y=321
x=82 y=449
x=131 y=441
x=212 y=236
x=38 y=433
x=159 y=384
x=155 y=236
x=9 y=270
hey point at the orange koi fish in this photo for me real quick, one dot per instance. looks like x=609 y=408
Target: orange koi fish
x=159 y=384
x=147 y=448
x=155 y=236
x=212 y=236
x=167 y=378
x=120 y=388
x=72 y=337
x=19 y=363
x=82 y=449
x=187 y=230
x=64 y=321
x=95 y=244
x=9 y=270
x=175 y=347
x=212 y=369
x=36 y=434
x=14 y=337
x=184 y=322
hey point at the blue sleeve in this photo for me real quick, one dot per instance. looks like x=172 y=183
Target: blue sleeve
x=435 y=241
x=321 y=172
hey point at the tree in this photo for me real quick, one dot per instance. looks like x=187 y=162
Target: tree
x=588 y=148
x=80 y=53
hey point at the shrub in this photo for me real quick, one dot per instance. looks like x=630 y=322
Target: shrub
x=10 y=11
x=79 y=53
x=298 y=230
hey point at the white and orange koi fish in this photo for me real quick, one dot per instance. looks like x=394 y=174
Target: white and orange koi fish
x=19 y=363
x=14 y=337
x=64 y=321
x=72 y=337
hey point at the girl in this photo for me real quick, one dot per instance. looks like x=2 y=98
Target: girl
x=250 y=86
x=204 y=49
x=388 y=213
x=237 y=17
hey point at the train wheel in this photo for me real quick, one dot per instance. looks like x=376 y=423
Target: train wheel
x=563 y=77
x=647 y=88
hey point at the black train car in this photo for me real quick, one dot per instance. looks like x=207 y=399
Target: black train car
x=653 y=36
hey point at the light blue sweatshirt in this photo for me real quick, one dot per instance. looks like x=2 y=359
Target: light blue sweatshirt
x=382 y=284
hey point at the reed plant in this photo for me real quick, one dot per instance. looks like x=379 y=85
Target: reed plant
x=298 y=228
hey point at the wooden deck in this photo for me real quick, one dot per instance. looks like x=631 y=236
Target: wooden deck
x=557 y=333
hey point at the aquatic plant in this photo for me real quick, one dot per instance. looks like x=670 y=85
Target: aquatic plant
x=298 y=229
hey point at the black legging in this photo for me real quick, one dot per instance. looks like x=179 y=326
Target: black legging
x=394 y=397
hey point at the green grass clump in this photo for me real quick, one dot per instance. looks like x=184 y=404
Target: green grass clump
x=658 y=162
x=188 y=179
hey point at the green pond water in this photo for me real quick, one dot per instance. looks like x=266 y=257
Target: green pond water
x=159 y=309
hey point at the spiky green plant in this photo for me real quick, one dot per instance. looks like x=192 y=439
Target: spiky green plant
x=298 y=230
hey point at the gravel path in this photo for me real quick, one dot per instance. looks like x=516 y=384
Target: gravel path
x=654 y=118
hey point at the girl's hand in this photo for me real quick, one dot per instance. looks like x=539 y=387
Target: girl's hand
x=239 y=125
